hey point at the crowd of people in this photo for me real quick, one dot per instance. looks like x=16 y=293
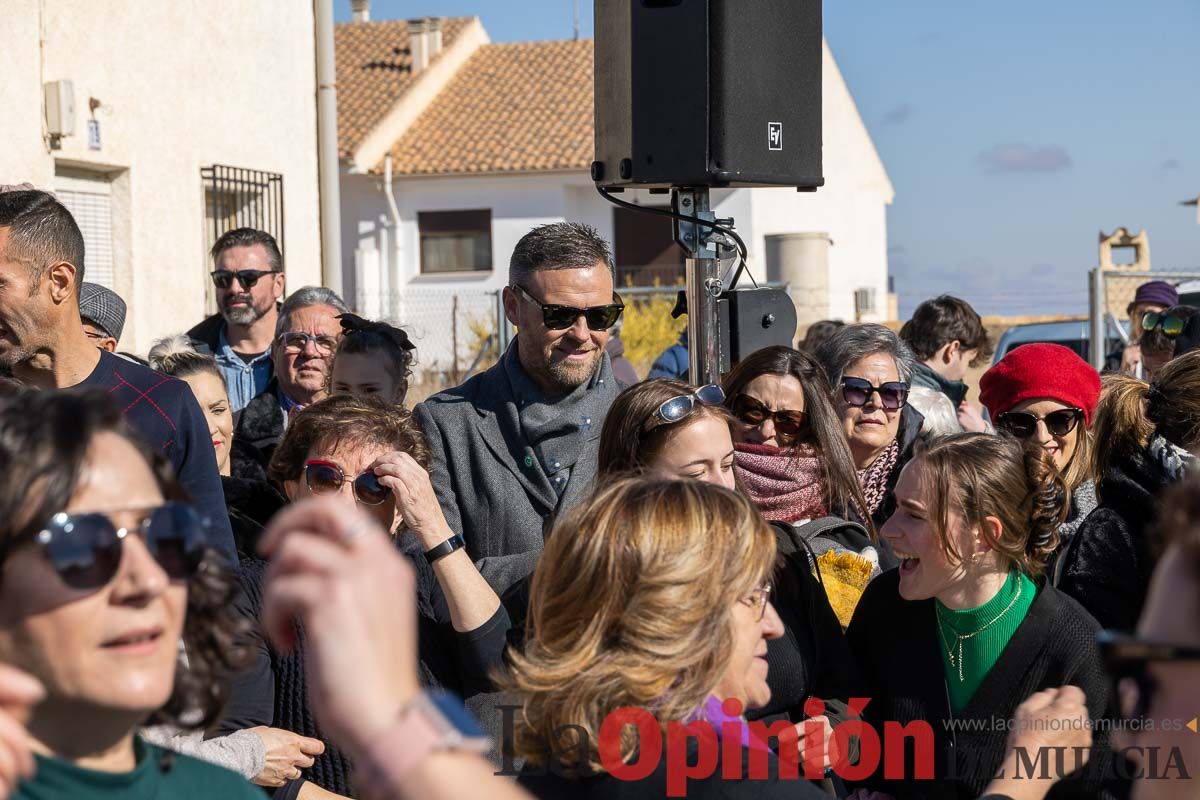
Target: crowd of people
x=247 y=563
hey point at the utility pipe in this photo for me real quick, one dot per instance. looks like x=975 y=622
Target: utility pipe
x=327 y=149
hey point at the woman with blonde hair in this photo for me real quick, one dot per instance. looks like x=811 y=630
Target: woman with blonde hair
x=652 y=595
x=1145 y=435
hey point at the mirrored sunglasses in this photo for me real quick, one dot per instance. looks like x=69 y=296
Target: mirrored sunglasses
x=1171 y=325
x=86 y=549
x=678 y=408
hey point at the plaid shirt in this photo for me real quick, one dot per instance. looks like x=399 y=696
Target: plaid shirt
x=165 y=412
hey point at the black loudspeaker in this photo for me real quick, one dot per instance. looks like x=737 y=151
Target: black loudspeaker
x=708 y=93
x=750 y=319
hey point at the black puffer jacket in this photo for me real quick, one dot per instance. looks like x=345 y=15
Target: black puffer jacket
x=1106 y=565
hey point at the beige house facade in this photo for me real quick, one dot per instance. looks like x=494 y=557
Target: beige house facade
x=159 y=125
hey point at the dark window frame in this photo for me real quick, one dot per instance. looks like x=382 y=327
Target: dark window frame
x=467 y=223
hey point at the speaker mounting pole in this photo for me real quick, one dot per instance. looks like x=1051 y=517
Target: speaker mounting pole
x=703 y=270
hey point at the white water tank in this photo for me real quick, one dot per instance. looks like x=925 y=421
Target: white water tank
x=801 y=260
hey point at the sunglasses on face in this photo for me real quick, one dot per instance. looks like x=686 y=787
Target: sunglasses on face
x=325 y=477
x=680 y=407
x=1022 y=424
x=298 y=342
x=1127 y=660
x=85 y=549
x=224 y=278
x=858 y=391
x=557 y=318
x=1171 y=326
x=751 y=411
x=758 y=600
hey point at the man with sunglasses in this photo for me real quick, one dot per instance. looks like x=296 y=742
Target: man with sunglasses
x=42 y=340
x=517 y=443
x=1151 y=297
x=248 y=279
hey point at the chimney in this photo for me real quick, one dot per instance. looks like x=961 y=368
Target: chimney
x=425 y=41
x=360 y=10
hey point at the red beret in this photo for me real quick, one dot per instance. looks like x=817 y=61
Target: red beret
x=1034 y=371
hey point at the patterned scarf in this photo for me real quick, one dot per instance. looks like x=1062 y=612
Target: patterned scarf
x=787 y=484
x=1174 y=461
x=875 y=477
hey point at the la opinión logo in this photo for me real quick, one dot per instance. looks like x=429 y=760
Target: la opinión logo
x=693 y=750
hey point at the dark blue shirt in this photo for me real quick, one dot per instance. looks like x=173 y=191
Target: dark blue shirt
x=165 y=413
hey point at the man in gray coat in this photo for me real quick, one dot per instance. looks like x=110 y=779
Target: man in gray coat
x=516 y=444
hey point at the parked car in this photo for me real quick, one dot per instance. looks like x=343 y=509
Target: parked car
x=1073 y=333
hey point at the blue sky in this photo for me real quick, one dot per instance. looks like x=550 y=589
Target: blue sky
x=1013 y=133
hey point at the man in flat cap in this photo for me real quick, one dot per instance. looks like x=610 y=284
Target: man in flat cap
x=103 y=313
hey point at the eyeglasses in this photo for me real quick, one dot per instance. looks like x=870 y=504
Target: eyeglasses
x=557 y=318
x=85 y=549
x=326 y=477
x=752 y=411
x=857 y=391
x=1022 y=424
x=758 y=600
x=297 y=342
x=1127 y=659
x=1171 y=325
x=224 y=278
x=680 y=407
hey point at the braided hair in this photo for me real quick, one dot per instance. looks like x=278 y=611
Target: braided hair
x=361 y=336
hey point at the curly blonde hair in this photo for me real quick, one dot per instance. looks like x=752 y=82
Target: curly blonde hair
x=630 y=607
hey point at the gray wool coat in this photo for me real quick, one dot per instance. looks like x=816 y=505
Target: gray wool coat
x=487 y=478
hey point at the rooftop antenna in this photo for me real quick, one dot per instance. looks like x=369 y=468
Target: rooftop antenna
x=576 y=6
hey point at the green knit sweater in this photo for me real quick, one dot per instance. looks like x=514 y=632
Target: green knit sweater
x=980 y=652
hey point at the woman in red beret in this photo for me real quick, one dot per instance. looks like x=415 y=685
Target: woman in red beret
x=1046 y=394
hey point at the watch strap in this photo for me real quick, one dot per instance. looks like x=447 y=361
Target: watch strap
x=444 y=549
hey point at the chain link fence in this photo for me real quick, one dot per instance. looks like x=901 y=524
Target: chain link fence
x=1110 y=293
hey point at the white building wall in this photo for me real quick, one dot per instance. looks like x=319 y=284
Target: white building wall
x=181 y=86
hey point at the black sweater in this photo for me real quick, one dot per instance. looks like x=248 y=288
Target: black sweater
x=811 y=659
x=273 y=691
x=547 y=784
x=895 y=644
x=1106 y=565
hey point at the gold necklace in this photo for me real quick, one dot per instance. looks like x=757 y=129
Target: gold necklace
x=959 y=638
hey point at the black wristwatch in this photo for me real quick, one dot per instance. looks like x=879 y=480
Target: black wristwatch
x=444 y=549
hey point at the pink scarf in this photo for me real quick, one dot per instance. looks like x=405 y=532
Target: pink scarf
x=787 y=484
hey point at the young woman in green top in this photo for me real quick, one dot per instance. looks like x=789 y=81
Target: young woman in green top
x=966 y=629
x=99 y=566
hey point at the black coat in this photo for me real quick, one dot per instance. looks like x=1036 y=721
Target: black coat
x=260 y=424
x=546 y=784
x=909 y=433
x=206 y=336
x=895 y=644
x=811 y=659
x=1106 y=565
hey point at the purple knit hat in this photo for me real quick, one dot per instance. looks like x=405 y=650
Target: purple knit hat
x=1157 y=292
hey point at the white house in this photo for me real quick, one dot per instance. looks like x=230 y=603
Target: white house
x=454 y=147
x=158 y=125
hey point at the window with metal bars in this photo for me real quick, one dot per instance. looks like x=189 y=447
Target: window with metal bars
x=235 y=197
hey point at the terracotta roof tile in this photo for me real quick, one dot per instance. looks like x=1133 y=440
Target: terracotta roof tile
x=511 y=108
x=374 y=69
